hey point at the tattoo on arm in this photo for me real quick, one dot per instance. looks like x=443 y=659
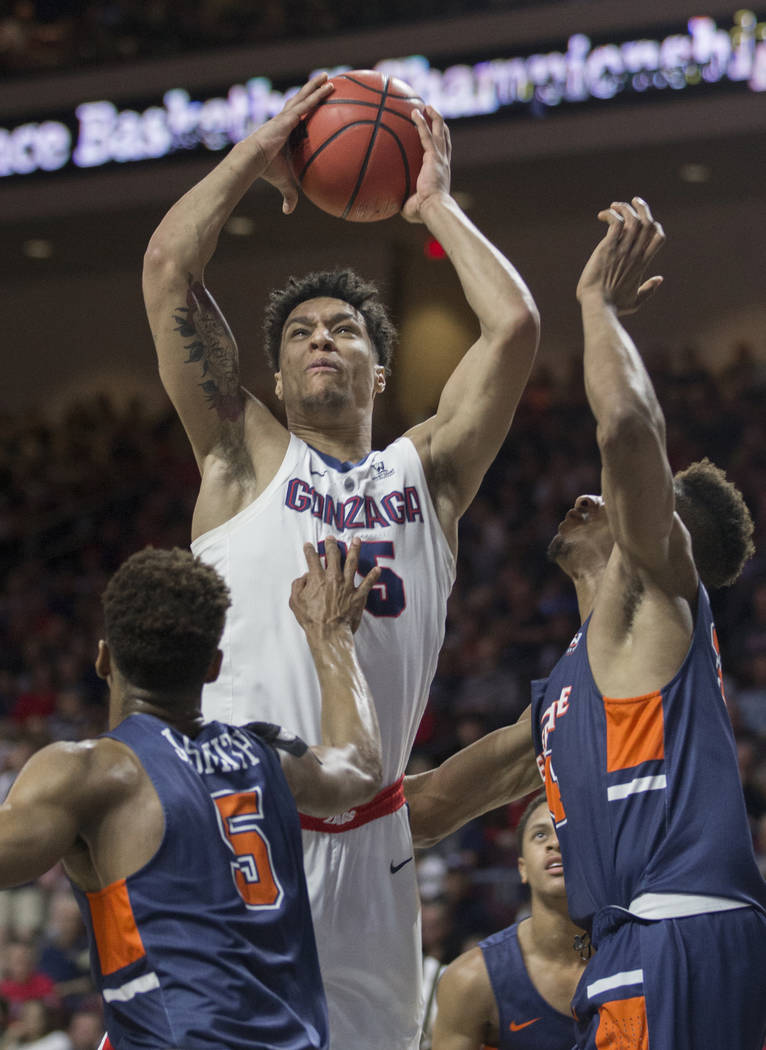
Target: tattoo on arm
x=212 y=346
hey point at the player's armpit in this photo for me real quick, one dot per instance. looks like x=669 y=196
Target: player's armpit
x=491 y=772
x=466 y=1016
x=458 y=444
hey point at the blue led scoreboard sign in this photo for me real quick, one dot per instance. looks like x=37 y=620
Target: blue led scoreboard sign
x=704 y=55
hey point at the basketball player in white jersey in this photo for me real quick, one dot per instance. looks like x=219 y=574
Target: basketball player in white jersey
x=267 y=489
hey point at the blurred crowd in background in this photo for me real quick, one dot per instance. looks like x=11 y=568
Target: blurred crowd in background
x=39 y=35
x=79 y=494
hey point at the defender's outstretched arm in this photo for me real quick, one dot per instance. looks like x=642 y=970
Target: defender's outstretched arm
x=489 y=773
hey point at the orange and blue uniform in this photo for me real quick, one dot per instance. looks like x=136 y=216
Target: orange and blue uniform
x=658 y=856
x=210 y=946
x=525 y=1020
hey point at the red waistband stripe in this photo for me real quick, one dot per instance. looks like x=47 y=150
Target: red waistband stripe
x=386 y=801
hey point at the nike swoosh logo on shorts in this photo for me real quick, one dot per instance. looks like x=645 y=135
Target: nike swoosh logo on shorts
x=525 y=1024
x=396 y=867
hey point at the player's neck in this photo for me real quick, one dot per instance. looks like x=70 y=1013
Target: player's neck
x=179 y=710
x=343 y=440
x=551 y=930
x=586 y=572
x=586 y=588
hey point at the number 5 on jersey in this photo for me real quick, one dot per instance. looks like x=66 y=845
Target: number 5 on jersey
x=238 y=816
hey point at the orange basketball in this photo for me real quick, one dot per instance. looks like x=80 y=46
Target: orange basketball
x=357 y=155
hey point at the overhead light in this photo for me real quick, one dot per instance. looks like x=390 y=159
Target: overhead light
x=240 y=226
x=694 y=173
x=433 y=250
x=37 y=248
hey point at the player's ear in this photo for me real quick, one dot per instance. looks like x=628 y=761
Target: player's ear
x=103 y=660
x=380 y=379
x=278 y=384
x=522 y=866
x=215 y=666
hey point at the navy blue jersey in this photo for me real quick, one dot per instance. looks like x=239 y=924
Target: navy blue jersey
x=210 y=944
x=645 y=792
x=526 y=1020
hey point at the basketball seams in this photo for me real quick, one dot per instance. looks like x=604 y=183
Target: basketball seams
x=331 y=138
x=360 y=123
x=405 y=162
x=366 y=161
x=332 y=101
x=385 y=90
x=361 y=175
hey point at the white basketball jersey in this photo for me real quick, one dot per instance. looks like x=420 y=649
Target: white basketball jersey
x=267 y=671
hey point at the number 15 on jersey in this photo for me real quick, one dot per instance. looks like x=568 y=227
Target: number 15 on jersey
x=387 y=597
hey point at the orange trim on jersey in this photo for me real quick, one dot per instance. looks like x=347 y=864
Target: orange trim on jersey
x=114 y=927
x=386 y=801
x=634 y=731
x=623 y=1025
x=553 y=794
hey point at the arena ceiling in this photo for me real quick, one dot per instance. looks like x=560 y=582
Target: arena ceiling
x=71 y=245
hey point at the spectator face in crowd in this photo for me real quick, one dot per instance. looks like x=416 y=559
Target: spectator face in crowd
x=22 y=980
x=65 y=925
x=19 y=964
x=32 y=1023
x=435 y=928
x=86 y=1030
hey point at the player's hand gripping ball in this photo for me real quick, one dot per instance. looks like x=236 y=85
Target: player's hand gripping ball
x=358 y=154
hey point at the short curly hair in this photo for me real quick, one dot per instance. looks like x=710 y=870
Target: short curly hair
x=331 y=284
x=720 y=525
x=164 y=613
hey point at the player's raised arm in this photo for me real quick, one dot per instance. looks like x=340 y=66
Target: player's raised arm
x=637 y=482
x=346 y=768
x=491 y=772
x=196 y=350
x=478 y=401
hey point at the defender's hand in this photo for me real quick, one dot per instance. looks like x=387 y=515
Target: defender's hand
x=323 y=598
x=434 y=177
x=615 y=270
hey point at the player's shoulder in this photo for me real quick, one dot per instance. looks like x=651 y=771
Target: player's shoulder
x=235 y=473
x=464 y=994
x=670 y=572
x=277 y=737
x=634 y=593
x=466 y=976
x=419 y=436
x=98 y=752
x=508 y=935
x=112 y=763
x=98 y=769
